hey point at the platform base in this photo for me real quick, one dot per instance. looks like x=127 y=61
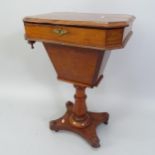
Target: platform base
x=89 y=132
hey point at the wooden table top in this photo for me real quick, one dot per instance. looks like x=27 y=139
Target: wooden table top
x=83 y=19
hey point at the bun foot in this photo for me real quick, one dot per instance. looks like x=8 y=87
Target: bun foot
x=94 y=141
x=53 y=126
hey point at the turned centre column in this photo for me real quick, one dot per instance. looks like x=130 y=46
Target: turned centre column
x=80 y=117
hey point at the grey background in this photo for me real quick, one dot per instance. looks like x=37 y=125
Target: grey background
x=30 y=95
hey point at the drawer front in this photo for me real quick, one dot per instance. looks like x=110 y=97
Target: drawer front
x=70 y=35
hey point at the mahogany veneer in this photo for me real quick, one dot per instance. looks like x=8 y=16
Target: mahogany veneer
x=78 y=45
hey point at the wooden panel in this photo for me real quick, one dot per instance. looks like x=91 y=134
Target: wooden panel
x=78 y=36
x=76 y=65
x=103 y=63
x=82 y=37
x=83 y=19
x=97 y=31
x=114 y=38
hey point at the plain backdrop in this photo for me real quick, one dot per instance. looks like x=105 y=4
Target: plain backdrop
x=31 y=96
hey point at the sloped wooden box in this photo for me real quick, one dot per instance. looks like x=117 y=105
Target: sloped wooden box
x=80 y=65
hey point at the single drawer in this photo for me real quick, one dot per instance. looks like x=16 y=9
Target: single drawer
x=64 y=34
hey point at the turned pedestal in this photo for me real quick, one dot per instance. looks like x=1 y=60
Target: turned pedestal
x=78 y=120
x=79 y=45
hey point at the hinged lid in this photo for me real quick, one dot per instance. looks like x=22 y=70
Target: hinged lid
x=83 y=19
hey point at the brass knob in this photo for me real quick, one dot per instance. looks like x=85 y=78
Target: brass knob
x=60 y=32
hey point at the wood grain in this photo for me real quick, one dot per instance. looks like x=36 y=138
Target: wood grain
x=79 y=46
x=75 y=65
x=77 y=36
x=98 y=20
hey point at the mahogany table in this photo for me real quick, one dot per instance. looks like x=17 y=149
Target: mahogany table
x=79 y=45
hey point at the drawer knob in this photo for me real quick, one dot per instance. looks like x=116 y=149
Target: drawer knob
x=60 y=32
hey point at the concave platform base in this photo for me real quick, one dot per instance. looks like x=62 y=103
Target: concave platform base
x=88 y=131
